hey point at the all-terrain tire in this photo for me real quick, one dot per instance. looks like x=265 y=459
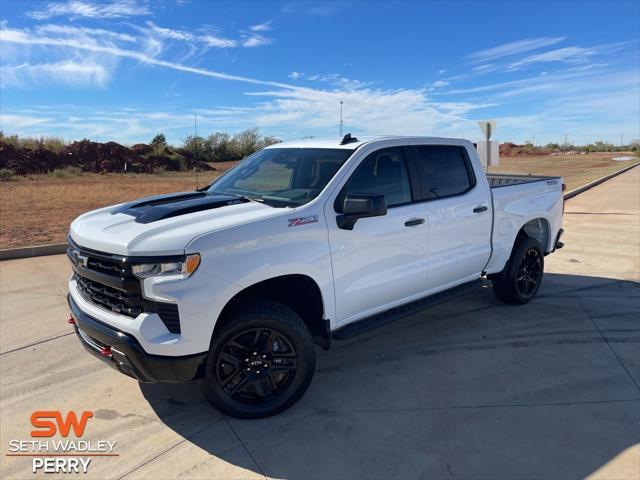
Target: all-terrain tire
x=521 y=277
x=253 y=389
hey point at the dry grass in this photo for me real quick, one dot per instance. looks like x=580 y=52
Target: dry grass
x=38 y=209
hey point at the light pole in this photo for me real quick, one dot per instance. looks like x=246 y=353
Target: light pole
x=341 y=122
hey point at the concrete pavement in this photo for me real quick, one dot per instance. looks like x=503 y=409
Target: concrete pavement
x=469 y=389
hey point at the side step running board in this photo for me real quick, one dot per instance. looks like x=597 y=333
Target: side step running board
x=380 y=319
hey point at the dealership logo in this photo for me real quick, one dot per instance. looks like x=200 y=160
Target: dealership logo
x=45 y=427
x=60 y=455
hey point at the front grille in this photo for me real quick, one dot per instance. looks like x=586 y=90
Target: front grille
x=110 y=298
x=116 y=270
x=110 y=267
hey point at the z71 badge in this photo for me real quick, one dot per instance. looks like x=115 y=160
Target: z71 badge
x=296 y=222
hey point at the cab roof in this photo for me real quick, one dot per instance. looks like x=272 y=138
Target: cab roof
x=355 y=143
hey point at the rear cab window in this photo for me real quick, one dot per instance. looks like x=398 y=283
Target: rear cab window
x=443 y=170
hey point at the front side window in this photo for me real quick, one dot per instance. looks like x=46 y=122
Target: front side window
x=443 y=170
x=283 y=176
x=383 y=172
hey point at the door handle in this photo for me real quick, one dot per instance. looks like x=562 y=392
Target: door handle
x=480 y=209
x=413 y=222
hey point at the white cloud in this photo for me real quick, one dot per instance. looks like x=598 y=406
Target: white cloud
x=248 y=39
x=513 y=48
x=261 y=27
x=438 y=84
x=79 y=8
x=313 y=8
x=30 y=38
x=184 y=36
x=84 y=74
x=295 y=75
x=14 y=122
x=574 y=55
x=256 y=41
x=67 y=30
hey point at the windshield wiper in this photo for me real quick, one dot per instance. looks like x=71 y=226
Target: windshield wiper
x=250 y=199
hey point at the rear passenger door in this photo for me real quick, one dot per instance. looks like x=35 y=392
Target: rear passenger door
x=459 y=214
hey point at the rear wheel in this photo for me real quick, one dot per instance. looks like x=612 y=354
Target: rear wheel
x=261 y=361
x=520 y=280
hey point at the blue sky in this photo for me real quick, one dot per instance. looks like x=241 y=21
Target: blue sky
x=126 y=69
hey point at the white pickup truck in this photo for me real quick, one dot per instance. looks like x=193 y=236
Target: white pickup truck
x=302 y=242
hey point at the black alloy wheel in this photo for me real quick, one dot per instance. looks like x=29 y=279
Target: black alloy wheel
x=521 y=277
x=529 y=272
x=256 y=364
x=261 y=360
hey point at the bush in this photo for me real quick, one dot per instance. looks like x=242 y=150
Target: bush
x=66 y=172
x=6 y=175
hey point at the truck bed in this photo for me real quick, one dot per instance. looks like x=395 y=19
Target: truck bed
x=497 y=180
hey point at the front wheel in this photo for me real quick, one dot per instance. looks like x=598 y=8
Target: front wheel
x=520 y=280
x=261 y=361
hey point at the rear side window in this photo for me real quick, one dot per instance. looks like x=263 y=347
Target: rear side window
x=444 y=170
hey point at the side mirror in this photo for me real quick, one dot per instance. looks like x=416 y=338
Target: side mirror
x=360 y=205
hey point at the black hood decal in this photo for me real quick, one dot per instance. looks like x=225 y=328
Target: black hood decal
x=159 y=207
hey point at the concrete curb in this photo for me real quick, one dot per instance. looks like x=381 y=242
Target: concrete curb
x=600 y=180
x=37 y=251
x=58 y=248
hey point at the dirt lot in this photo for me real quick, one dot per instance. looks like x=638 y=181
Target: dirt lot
x=577 y=170
x=37 y=209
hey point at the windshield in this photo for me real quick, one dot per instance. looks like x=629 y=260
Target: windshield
x=282 y=176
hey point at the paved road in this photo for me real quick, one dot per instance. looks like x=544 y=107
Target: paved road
x=470 y=389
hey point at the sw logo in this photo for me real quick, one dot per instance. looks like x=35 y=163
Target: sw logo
x=46 y=427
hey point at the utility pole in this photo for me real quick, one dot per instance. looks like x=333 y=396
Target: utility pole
x=621 y=135
x=195 y=139
x=341 y=122
x=565 y=138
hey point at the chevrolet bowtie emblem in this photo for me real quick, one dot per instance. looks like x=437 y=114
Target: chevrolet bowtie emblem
x=80 y=259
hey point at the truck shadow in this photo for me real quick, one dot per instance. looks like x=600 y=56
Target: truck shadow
x=472 y=388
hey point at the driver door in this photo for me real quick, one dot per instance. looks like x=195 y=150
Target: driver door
x=382 y=261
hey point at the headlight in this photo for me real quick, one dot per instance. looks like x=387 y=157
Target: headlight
x=181 y=269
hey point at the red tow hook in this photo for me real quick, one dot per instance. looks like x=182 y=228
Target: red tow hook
x=71 y=320
x=106 y=352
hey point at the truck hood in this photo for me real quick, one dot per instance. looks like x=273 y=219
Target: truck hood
x=164 y=224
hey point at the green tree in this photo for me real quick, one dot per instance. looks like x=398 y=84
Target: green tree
x=196 y=147
x=219 y=145
x=159 y=144
x=246 y=142
x=266 y=141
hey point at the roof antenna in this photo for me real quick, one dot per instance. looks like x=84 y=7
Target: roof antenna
x=348 y=139
x=195 y=139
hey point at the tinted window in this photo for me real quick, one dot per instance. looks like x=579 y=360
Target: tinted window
x=383 y=172
x=443 y=170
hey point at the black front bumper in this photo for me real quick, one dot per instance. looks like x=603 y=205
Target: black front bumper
x=127 y=355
